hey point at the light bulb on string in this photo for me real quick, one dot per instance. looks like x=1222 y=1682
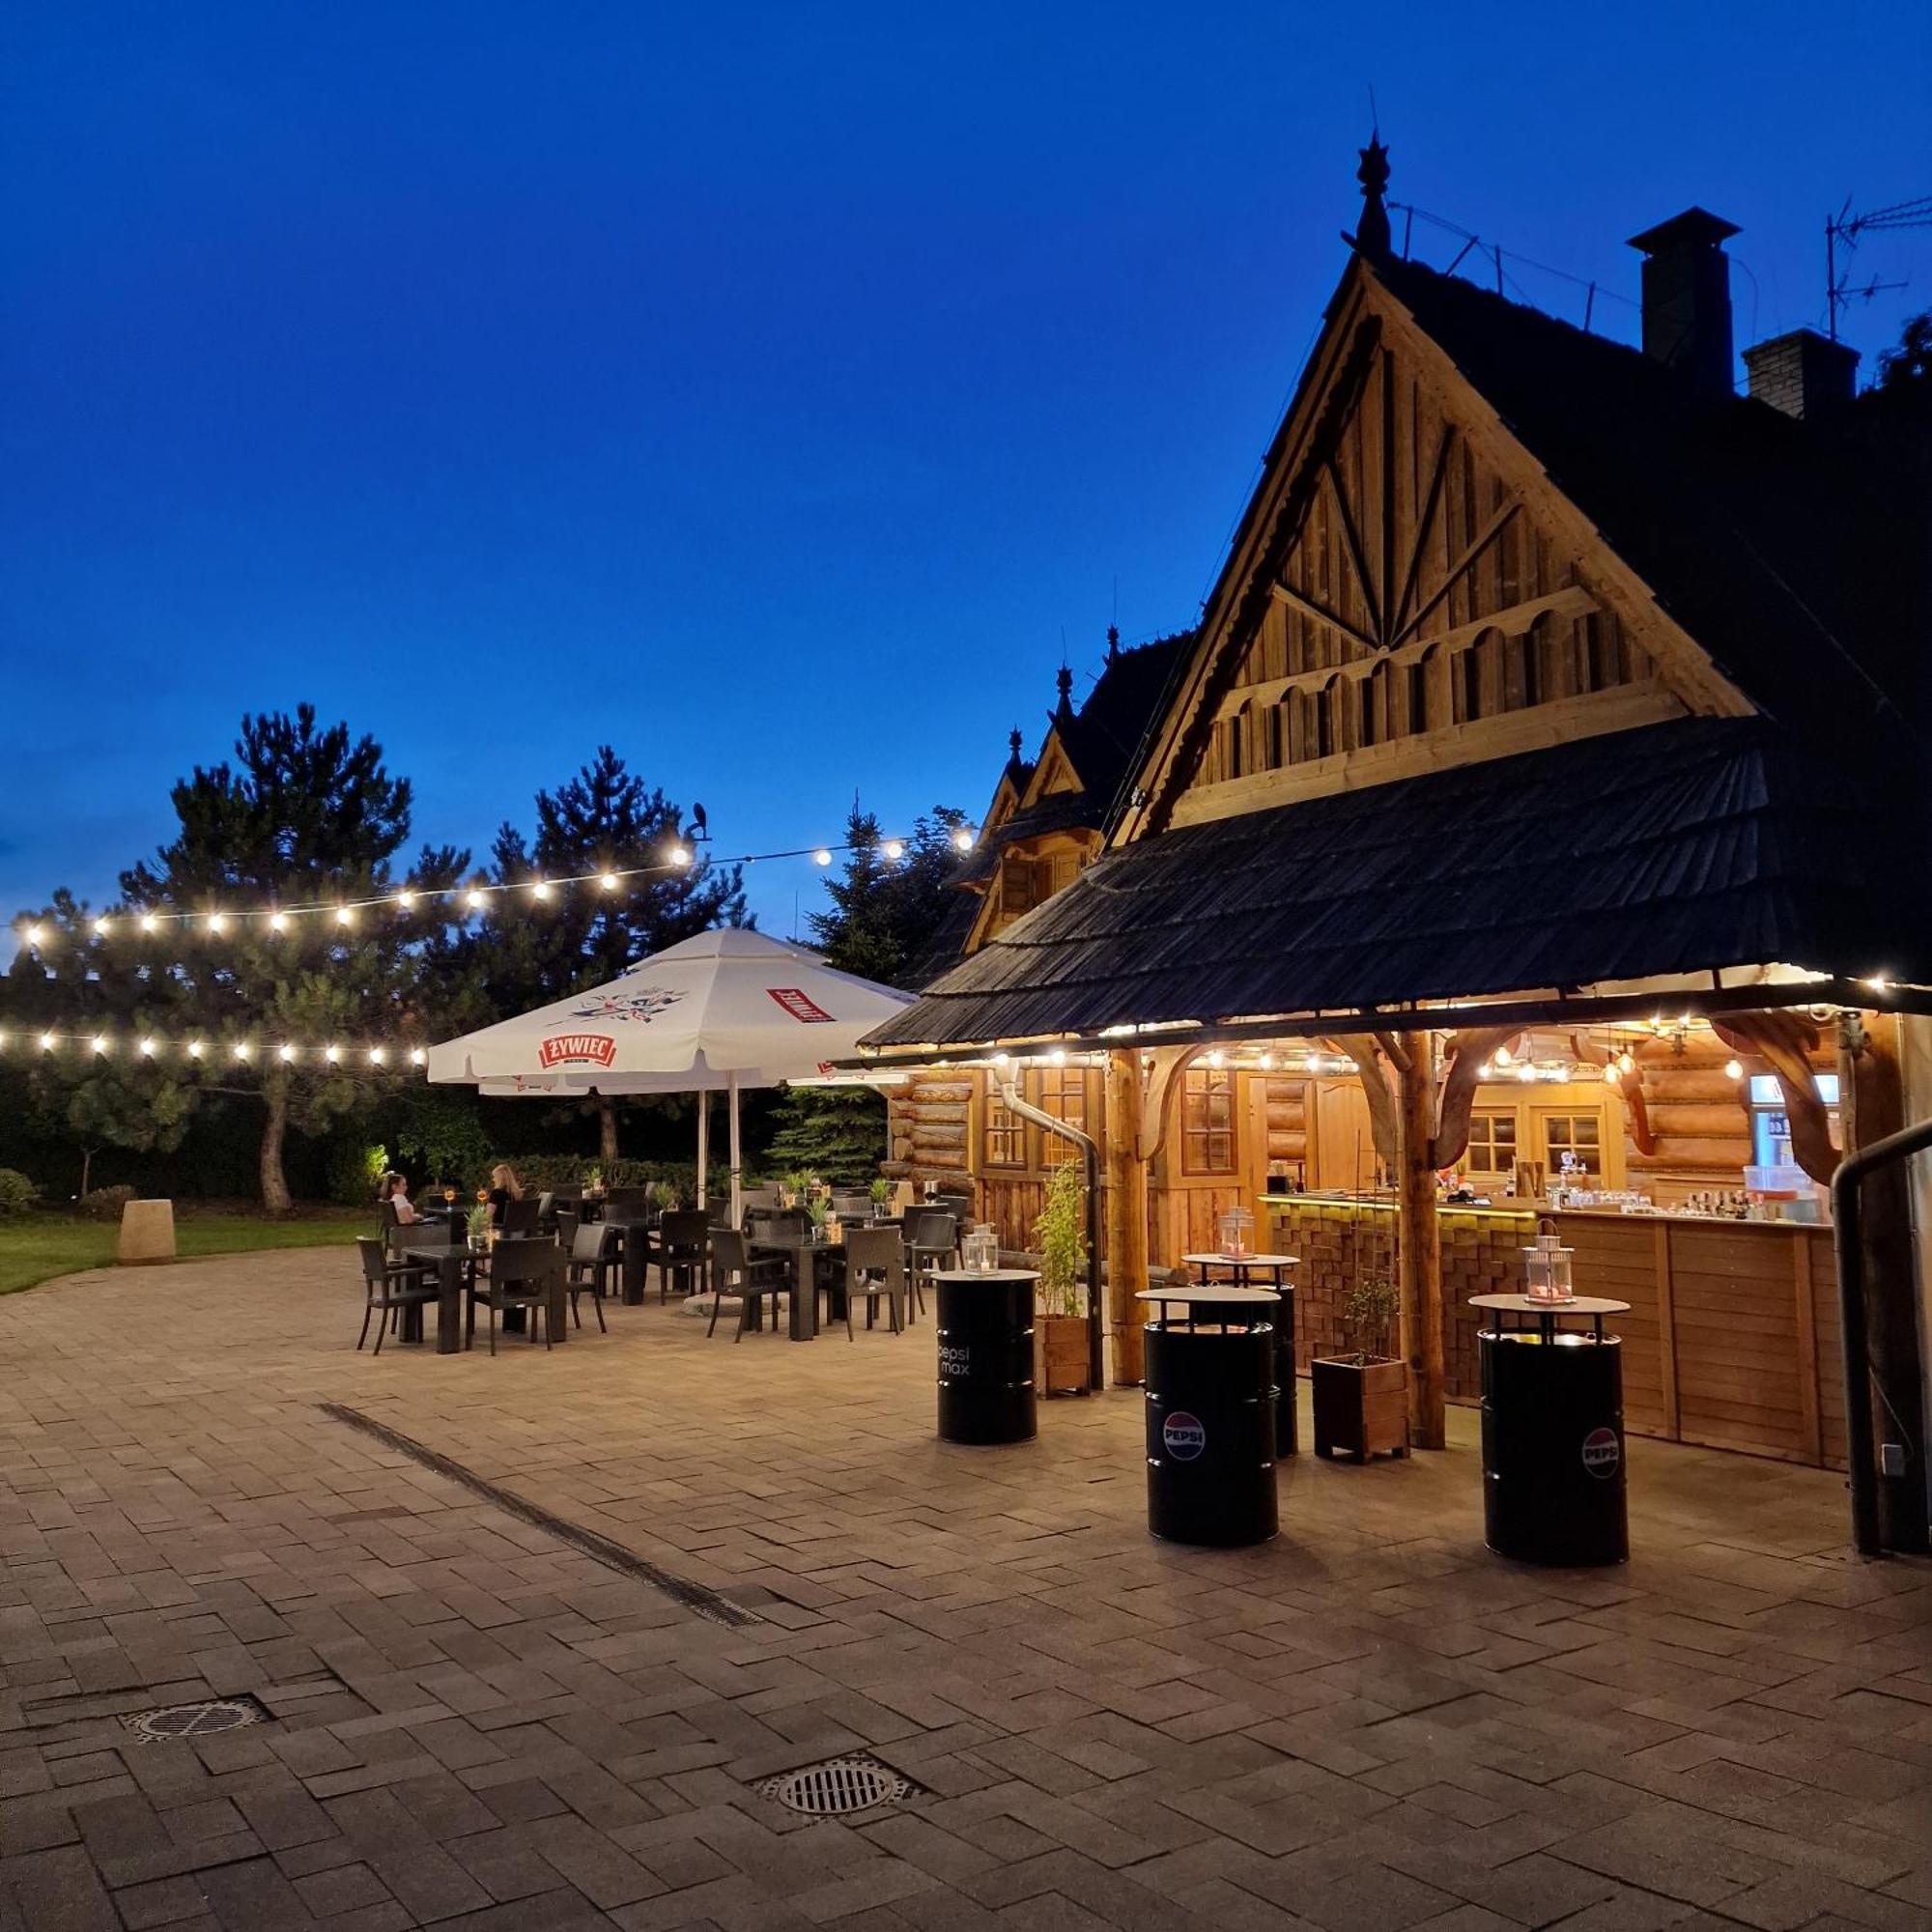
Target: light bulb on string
x=821 y=857
x=1266 y=1061
x=608 y=882
x=100 y=1044
x=243 y=1049
x=405 y=901
x=375 y=1056
x=147 y=1049
x=286 y=1054
x=680 y=855
x=539 y=889
x=33 y=934
x=149 y=921
x=473 y=900
x=331 y=1054
x=1216 y=1058
x=1501 y=1056
x=962 y=838
x=1612 y=1077
x=1626 y=1063
x=217 y=922
x=102 y=926
x=195 y=1049
x=47 y=1043
x=893 y=849
x=1733 y=1070
x=278 y=921
x=417 y=1056
x=345 y=916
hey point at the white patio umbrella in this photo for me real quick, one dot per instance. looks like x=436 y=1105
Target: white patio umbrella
x=725 y=1011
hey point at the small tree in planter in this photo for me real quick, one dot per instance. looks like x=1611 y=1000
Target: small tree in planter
x=1060 y=1319
x=1361 y=1397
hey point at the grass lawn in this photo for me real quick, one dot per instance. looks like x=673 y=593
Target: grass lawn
x=37 y=1247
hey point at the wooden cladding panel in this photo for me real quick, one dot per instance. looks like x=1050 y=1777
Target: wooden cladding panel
x=1731 y=1340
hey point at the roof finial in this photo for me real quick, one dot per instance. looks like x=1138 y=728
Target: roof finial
x=1015 y=740
x=1112 y=643
x=1372 y=231
x=1065 y=680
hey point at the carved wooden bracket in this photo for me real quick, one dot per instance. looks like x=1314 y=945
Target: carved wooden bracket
x=1636 y=1110
x=1363 y=1050
x=1467 y=1051
x=1162 y=1079
x=1786 y=1041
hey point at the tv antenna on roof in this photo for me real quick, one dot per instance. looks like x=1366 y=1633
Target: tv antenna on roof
x=1845 y=228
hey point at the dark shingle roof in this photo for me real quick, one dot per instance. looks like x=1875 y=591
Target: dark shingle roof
x=1678 y=848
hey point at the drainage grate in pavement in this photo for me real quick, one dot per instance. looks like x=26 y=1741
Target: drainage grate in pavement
x=837 y=1787
x=195 y=1720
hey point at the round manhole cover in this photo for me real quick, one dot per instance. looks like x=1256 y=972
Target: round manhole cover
x=837 y=1787
x=194 y=1721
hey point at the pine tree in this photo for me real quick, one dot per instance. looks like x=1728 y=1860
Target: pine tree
x=836 y=1133
x=304 y=817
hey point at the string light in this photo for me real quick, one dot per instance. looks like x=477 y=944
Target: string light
x=680 y=855
x=962 y=838
x=152 y=1046
x=102 y=928
x=1626 y=1063
x=418 y=1056
x=147 y=1049
x=194 y=1049
x=405 y=901
x=473 y=900
x=345 y=916
x=1733 y=1070
x=539 y=889
x=278 y=921
x=821 y=857
x=100 y=1044
x=608 y=882
x=893 y=849
x=286 y=1053
x=375 y=1056
x=47 y=1043
x=149 y=923
x=243 y=1049
x=33 y=934
x=331 y=1054
x=1501 y=1056
x=1612 y=1076
x=216 y=924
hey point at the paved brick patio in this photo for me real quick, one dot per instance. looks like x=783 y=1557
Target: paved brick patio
x=1369 y=1723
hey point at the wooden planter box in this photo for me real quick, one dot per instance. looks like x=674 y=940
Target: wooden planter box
x=1060 y=1354
x=1360 y=1407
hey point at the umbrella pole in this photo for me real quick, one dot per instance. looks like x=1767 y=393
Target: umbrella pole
x=704 y=1142
x=737 y=1153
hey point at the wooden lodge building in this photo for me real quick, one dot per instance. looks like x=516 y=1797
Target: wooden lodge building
x=1545 y=777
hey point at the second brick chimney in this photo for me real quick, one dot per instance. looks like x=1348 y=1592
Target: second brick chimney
x=1687 y=297
x=1803 y=373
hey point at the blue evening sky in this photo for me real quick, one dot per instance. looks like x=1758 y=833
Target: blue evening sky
x=764 y=389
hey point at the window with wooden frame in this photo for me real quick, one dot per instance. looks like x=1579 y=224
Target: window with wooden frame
x=1063 y=1094
x=1578 y=1134
x=1002 y=1133
x=1207 y=1120
x=1493 y=1148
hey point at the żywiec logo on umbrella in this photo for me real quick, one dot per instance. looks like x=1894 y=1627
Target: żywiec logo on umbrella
x=800 y=1005
x=577 y=1049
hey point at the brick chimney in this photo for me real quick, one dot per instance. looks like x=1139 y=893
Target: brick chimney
x=1803 y=373
x=1687 y=297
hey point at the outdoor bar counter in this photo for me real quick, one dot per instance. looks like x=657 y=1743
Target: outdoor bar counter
x=1731 y=1339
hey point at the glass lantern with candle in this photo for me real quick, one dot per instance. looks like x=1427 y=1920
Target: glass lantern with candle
x=1236 y=1227
x=981 y=1251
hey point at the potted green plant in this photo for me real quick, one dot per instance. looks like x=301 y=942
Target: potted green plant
x=881 y=1191
x=1361 y=1397
x=1061 y=1364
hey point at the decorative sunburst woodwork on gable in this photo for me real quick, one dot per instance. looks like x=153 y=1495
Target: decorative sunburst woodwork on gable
x=1410 y=591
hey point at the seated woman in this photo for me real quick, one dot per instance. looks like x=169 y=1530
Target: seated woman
x=395 y=1200
x=504 y=1187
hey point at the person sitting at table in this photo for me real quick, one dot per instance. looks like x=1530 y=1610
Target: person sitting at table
x=504 y=1187
x=395 y=1197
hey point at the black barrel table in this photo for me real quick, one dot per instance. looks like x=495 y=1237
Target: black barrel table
x=1553 y=1477
x=986 y=1355
x=1242 y=1271
x=1211 y=1396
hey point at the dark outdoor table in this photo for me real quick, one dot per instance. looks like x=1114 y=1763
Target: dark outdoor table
x=636 y=1249
x=1244 y=1267
x=453 y=1272
x=805 y=1256
x=1593 y=1307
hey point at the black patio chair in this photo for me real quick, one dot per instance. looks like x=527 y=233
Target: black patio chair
x=874 y=1265
x=931 y=1242
x=388 y=1286
x=592 y=1268
x=627 y=1204
x=678 y=1247
x=522 y=1275
x=521 y=1217
x=748 y=1279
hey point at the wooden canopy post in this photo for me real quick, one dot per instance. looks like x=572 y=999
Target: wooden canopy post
x=1871 y=1108
x=1419 y=1243
x=1126 y=1270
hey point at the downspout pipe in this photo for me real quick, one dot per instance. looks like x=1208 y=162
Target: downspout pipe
x=1848 y=1241
x=1089 y=1155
